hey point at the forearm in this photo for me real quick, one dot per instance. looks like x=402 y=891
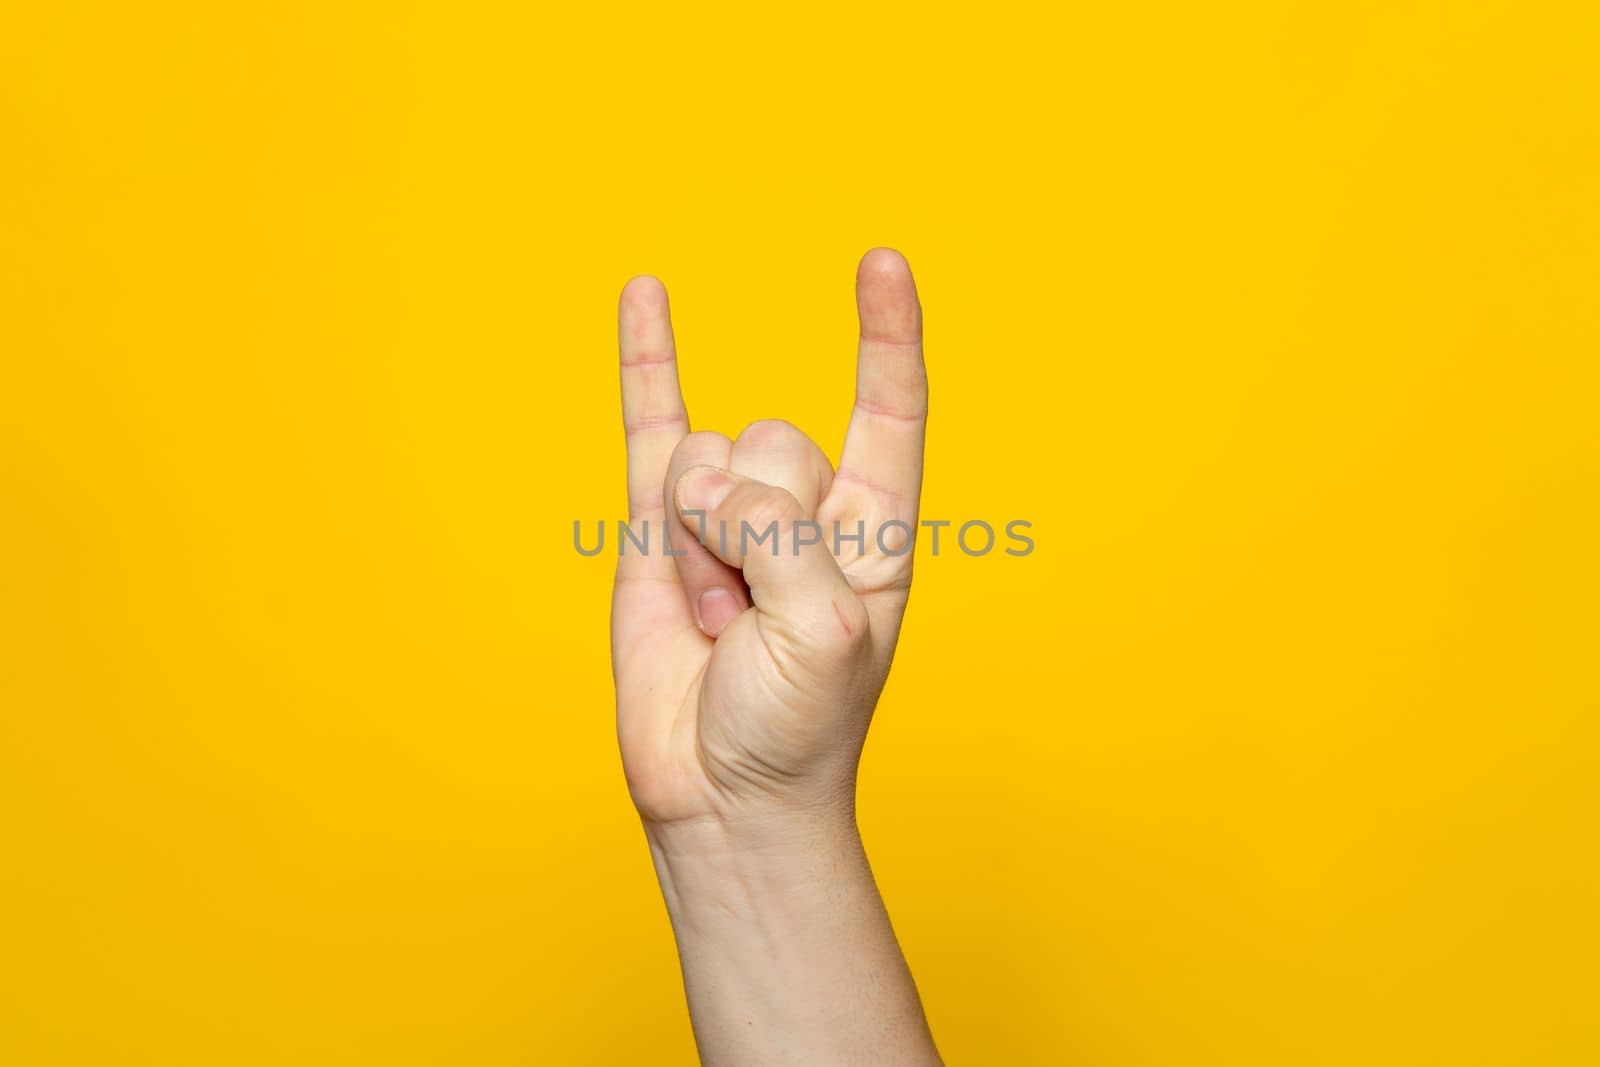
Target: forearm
x=788 y=956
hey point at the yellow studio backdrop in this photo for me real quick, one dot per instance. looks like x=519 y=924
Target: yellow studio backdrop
x=1278 y=321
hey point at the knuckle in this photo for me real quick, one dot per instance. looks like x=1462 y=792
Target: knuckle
x=767 y=504
x=853 y=620
x=839 y=629
x=770 y=433
x=700 y=443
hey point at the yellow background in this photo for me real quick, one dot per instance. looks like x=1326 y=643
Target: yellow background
x=1279 y=321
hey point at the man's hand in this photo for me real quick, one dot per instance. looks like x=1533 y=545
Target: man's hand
x=747 y=671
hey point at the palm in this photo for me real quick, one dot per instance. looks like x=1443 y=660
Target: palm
x=706 y=721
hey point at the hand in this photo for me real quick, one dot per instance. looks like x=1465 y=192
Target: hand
x=746 y=676
x=746 y=679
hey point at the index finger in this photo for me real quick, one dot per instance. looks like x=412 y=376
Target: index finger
x=653 y=416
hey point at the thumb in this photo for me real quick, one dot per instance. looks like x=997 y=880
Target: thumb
x=763 y=530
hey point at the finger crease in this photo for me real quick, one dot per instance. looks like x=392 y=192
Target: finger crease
x=846 y=474
x=885 y=412
x=641 y=423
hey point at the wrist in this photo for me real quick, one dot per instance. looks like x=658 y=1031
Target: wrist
x=754 y=830
x=733 y=869
x=778 y=920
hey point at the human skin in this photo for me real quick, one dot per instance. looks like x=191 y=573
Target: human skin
x=746 y=681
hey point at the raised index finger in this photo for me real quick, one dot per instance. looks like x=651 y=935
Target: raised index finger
x=882 y=458
x=653 y=415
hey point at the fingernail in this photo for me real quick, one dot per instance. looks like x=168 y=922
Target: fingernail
x=705 y=489
x=717 y=610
